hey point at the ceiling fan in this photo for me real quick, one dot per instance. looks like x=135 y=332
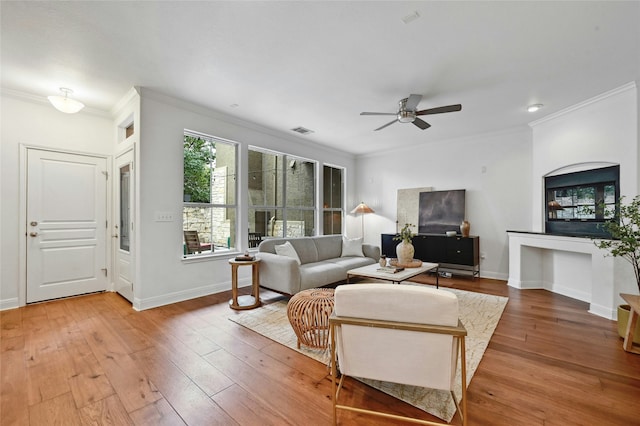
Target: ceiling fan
x=407 y=112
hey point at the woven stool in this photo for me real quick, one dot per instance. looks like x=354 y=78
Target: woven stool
x=308 y=313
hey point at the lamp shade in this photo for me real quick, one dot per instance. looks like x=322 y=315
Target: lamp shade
x=65 y=103
x=554 y=205
x=362 y=208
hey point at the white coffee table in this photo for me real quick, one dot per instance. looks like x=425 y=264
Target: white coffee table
x=371 y=271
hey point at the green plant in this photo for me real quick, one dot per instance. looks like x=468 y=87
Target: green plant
x=625 y=234
x=405 y=234
x=198 y=161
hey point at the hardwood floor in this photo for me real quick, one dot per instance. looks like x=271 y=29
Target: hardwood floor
x=94 y=360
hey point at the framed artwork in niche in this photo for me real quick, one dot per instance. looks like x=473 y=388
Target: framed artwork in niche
x=441 y=211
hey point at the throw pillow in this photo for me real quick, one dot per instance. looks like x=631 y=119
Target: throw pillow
x=288 y=250
x=352 y=247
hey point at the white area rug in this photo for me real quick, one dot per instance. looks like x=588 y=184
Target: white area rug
x=479 y=313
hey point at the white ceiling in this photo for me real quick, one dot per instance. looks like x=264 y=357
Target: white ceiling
x=318 y=64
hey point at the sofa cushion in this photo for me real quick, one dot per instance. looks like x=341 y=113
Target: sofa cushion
x=351 y=247
x=287 y=250
x=328 y=246
x=305 y=247
x=318 y=274
x=346 y=263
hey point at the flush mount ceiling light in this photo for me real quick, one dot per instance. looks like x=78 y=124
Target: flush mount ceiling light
x=65 y=103
x=534 y=107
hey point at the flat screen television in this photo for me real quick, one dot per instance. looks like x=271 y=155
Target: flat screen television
x=441 y=211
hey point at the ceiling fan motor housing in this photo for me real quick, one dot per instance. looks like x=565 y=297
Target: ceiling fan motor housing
x=405 y=116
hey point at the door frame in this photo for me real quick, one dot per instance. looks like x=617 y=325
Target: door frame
x=115 y=242
x=22 y=214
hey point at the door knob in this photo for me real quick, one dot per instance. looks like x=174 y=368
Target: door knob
x=33 y=234
x=115 y=235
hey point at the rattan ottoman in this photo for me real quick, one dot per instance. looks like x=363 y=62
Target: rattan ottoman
x=309 y=313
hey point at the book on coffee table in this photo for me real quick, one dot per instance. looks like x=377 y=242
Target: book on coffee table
x=389 y=269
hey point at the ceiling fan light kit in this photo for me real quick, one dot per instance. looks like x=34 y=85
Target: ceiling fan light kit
x=407 y=112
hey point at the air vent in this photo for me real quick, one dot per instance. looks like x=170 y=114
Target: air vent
x=302 y=130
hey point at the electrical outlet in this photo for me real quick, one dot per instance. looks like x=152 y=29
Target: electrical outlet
x=164 y=217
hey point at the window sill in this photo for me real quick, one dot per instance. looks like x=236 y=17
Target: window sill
x=222 y=255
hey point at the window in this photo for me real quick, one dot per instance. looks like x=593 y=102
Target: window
x=281 y=196
x=125 y=209
x=332 y=210
x=577 y=203
x=209 y=203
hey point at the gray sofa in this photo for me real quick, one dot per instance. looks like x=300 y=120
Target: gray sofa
x=320 y=258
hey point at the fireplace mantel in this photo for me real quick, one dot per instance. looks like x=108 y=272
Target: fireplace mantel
x=571 y=266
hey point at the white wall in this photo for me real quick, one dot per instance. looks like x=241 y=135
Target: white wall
x=163 y=276
x=600 y=130
x=36 y=123
x=494 y=169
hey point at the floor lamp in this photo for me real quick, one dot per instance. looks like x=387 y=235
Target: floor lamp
x=363 y=209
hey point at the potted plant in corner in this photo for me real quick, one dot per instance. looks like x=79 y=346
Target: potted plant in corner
x=405 y=249
x=625 y=243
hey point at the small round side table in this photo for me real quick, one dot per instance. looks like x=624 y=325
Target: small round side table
x=247 y=301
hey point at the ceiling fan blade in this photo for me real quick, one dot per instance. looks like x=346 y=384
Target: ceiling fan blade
x=378 y=113
x=388 y=124
x=440 y=110
x=412 y=102
x=421 y=123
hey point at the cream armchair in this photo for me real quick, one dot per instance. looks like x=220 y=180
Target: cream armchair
x=397 y=333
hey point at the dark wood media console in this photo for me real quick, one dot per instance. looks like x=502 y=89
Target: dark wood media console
x=458 y=255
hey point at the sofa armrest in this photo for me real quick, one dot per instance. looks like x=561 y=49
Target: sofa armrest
x=279 y=273
x=369 y=250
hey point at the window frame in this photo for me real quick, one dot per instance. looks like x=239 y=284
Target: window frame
x=232 y=246
x=329 y=208
x=283 y=208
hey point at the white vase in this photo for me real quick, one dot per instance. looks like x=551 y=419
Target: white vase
x=405 y=252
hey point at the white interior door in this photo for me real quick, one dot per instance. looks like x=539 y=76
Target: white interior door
x=66 y=224
x=123 y=228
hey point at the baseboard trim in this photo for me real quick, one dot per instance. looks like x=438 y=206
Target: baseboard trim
x=603 y=311
x=7 y=304
x=181 y=296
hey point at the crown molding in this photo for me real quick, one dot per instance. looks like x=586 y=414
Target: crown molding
x=624 y=88
x=208 y=112
x=128 y=97
x=513 y=130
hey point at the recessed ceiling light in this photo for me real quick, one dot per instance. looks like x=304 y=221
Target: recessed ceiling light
x=410 y=18
x=534 y=107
